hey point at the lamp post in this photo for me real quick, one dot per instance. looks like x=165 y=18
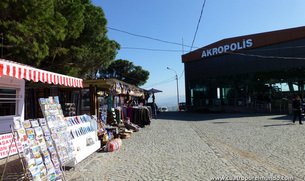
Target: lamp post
x=177 y=85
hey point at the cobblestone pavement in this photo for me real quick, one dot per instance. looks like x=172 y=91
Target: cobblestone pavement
x=190 y=146
x=165 y=150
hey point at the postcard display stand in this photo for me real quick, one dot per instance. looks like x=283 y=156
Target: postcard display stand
x=83 y=130
x=45 y=142
x=75 y=137
x=48 y=143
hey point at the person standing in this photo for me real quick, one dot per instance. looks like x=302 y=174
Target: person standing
x=297 y=109
x=155 y=110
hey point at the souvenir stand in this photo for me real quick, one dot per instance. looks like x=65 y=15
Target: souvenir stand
x=46 y=141
x=83 y=131
x=137 y=113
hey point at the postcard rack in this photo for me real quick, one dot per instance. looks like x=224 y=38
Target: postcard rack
x=51 y=143
x=43 y=160
x=83 y=130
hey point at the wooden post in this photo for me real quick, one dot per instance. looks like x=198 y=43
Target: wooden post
x=92 y=93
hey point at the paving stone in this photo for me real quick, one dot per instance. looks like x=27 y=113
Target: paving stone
x=191 y=146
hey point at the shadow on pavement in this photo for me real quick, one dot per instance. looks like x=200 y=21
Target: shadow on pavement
x=288 y=124
x=220 y=122
x=284 y=117
x=192 y=116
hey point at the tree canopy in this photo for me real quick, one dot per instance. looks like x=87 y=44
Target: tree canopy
x=64 y=36
x=125 y=71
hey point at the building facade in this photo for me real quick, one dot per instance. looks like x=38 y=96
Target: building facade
x=242 y=71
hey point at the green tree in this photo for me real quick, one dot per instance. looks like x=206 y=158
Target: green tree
x=89 y=51
x=125 y=71
x=64 y=36
x=27 y=27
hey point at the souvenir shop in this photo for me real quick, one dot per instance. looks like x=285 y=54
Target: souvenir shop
x=118 y=104
x=62 y=135
x=47 y=144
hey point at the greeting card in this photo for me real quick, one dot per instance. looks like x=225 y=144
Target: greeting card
x=45 y=130
x=34 y=123
x=42 y=121
x=38 y=132
x=36 y=176
x=56 y=99
x=31 y=164
x=47 y=101
x=51 y=100
x=30 y=133
x=43 y=171
x=27 y=124
x=17 y=123
x=42 y=101
x=41 y=141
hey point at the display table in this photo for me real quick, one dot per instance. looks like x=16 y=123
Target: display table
x=84 y=142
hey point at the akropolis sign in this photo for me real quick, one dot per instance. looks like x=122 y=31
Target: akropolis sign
x=229 y=47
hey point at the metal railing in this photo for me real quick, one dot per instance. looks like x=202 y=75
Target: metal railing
x=241 y=104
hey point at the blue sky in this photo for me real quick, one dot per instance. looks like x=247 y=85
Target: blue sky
x=174 y=20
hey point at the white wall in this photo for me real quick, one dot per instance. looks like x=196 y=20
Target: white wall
x=12 y=82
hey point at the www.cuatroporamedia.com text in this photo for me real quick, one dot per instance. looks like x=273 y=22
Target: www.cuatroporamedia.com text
x=258 y=178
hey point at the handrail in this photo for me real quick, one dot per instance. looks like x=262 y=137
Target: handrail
x=235 y=102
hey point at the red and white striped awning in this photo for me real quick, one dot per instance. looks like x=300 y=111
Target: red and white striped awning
x=21 y=71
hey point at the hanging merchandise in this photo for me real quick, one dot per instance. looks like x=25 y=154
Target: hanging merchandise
x=103 y=107
x=118 y=113
x=109 y=102
x=139 y=115
x=111 y=118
